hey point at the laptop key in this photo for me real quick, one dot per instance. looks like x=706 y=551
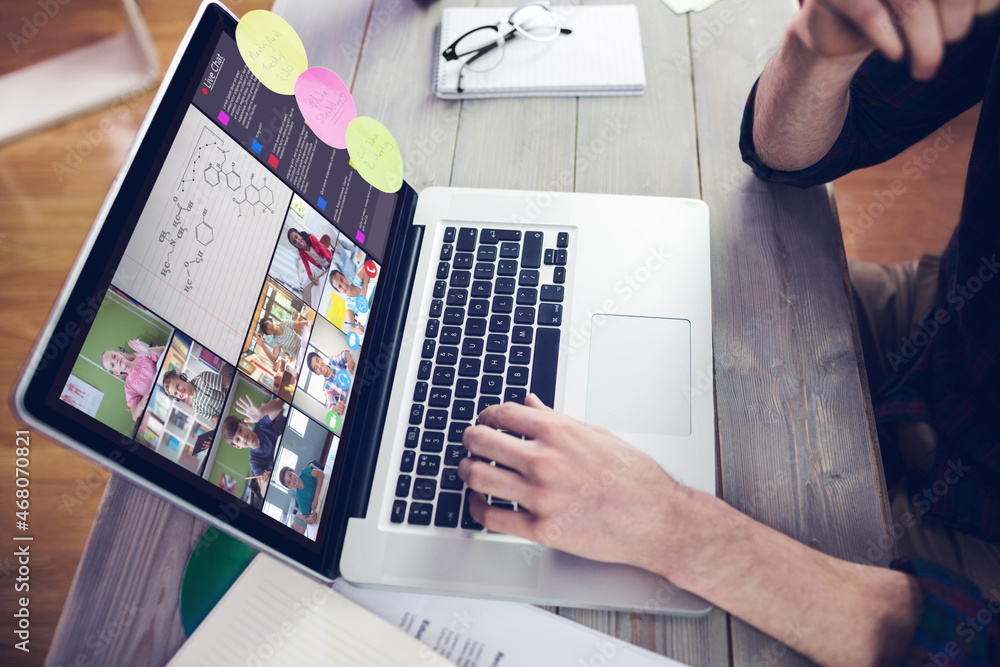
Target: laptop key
x=433 y=441
x=403 y=486
x=437 y=307
x=447 y=355
x=463 y=411
x=559 y=274
x=469 y=367
x=451 y=335
x=420 y=514
x=455 y=431
x=428 y=464
x=517 y=376
x=466 y=388
x=562 y=240
x=436 y=419
x=449 y=509
x=431 y=330
x=561 y=257
x=479 y=308
x=527 y=296
x=481 y=289
x=486 y=253
x=491 y=385
x=503 y=304
x=466 y=240
x=550 y=256
x=412 y=436
x=446 y=251
x=440 y=397
x=500 y=323
x=502 y=504
x=550 y=314
x=454 y=315
x=398 y=511
x=439 y=289
x=472 y=347
x=551 y=293
x=496 y=343
x=543 y=371
x=493 y=236
x=475 y=326
x=507 y=267
x=510 y=250
x=424 y=370
x=457 y=297
x=444 y=268
x=423 y=488
x=416 y=414
x=449 y=234
x=406 y=464
x=483 y=271
x=521 y=335
x=531 y=258
x=494 y=363
x=468 y=523
x=454 y=453
x=420 y=392
x=515 y=394
x=505 y=286
x=524 y=315
x=460 y=279
x=463 y=260
x=443 y=376
x=520 y=355
x=428 y=351
x=450 y=480
x=487 y=401
x=528 y=278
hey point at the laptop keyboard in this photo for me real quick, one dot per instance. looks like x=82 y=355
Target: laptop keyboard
x=492 y=335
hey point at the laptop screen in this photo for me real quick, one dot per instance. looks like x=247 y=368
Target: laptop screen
x=227 y=340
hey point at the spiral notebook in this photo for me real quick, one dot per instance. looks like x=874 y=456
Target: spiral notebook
x=602 y=56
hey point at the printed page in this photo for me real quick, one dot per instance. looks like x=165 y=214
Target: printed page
x=274 y=615
x=211 y=221
x=492 y=633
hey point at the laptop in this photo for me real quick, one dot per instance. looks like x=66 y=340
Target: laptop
x=260 y=336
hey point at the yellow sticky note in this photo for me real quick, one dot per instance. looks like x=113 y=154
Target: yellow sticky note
x=375 y=153
x=271 y=49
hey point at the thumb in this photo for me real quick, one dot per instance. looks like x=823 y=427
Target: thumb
x=532 y=401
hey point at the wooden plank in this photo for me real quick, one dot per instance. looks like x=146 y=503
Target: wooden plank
x=123 y=608
x=796 y=436
x=644 y=145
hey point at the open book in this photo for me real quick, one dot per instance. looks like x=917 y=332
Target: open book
x=602 y=55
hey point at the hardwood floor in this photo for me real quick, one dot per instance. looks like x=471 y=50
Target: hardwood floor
x=45 y=214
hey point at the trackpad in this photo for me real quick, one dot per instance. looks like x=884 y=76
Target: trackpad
x=640 y=375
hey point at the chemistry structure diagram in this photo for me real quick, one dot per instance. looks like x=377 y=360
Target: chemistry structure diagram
x=209 y=169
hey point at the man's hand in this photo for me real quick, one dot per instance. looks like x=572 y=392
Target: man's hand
x=917 y=29
x=310 y=518
x=585 y=490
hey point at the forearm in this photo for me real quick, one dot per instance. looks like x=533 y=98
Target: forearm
x=801 y=103
x=833 y=611
x=273 y=407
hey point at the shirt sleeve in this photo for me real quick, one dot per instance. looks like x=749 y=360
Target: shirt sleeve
x=958 y=626
x=889 y=111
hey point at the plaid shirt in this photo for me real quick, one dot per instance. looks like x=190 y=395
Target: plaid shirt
x=948 y=372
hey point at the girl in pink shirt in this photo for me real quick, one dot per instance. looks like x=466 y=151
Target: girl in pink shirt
x=137 y=369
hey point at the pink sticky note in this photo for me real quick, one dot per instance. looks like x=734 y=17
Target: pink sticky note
x=326 y=105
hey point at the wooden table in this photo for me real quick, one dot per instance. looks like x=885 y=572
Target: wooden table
x=796 y=438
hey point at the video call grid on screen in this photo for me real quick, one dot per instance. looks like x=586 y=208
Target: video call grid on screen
x=223 y=249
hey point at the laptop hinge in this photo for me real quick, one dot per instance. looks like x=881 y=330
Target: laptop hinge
x=383 y=353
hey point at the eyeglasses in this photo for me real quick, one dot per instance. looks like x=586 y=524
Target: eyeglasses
x=481 y=49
